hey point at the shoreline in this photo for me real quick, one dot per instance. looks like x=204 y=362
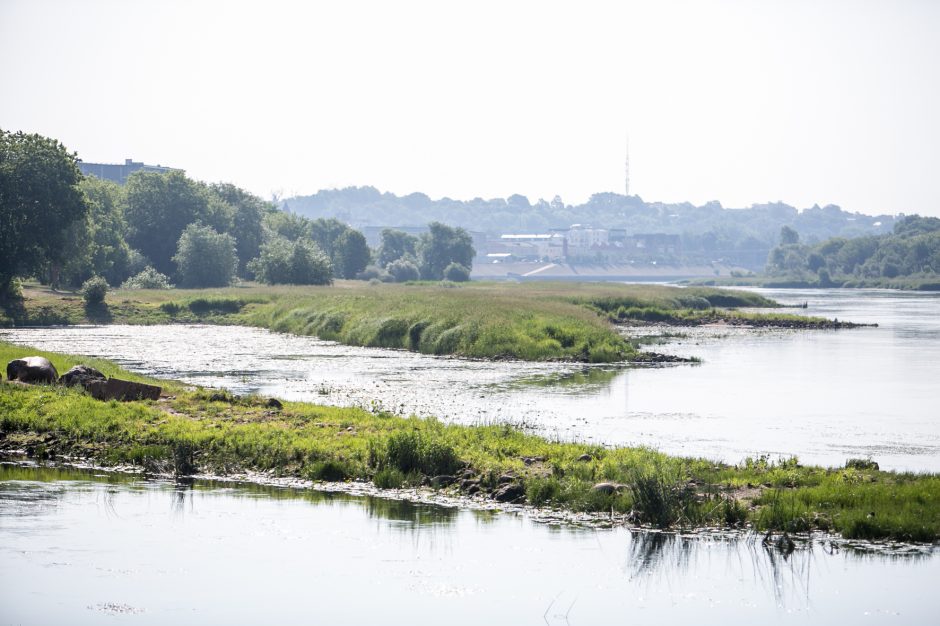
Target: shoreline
x=210 y=432
x=427 y=496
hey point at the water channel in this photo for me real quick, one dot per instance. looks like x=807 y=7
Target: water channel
x=824 y=396
x=84 y=547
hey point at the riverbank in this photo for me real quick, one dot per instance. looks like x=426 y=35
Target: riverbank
x=208 y=431
x=532 y=322
x=902 y=283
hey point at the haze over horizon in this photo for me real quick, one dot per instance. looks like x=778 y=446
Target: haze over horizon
x=740 y=102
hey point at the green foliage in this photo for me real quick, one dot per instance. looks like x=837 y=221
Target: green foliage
x=159 y=208
x=205 y=258
x=299 y=262
x=910 y=255
x=403 y=271
x=441 y=246
x=351 y=254
x=416 y=451
x=40 y=204
x=94 y=291
x=455 y=272
x=149 y=278
x=395 y=245
x=247 y=221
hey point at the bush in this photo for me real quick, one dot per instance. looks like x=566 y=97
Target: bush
x=298 y=262
x=149 y=278
x=417 y=452
x=455 y=272
x=374 y=272
x=205 y=258
x=403 y=271
x=94 y=290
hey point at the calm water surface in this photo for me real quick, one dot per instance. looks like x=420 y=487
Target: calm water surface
x=824 y=396
x=84 y=548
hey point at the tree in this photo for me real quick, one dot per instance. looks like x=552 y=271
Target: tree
x=395 y=245
x=352 y=254
x=788 y=236
x=298 y=262
x=443 y=245
x=287 y=225
x=325 y=233
x=247 y=221
x=205 y=258
x=40 y=201
x=159 y=208
x=96 y=246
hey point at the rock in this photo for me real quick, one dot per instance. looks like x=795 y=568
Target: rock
x=274 y=403
x=506 y=478
x=529 y=460
x=473 y=489
x=81 y=375
x=512 y=492
x=123 y=390
x=608 y=488
x=442 y=481
x=467 y=483
x=32 y=369
x=584 y=458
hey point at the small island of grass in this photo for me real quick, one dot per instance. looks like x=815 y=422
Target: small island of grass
x=533 y=321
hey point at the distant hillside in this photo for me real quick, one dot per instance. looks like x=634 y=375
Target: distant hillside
x=710 y=233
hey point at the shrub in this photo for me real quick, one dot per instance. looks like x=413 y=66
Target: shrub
x=149 y=278
x=402 y=271
x=205 y=258
x=94 y=290
x=457 y=273
x=376 y=273
x=298 y=262
x=416 y=451
x=329 y=471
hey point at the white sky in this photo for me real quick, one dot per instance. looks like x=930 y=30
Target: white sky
x=737 y=101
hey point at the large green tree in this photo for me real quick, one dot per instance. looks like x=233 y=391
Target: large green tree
x=205 y=258
x=443 y=245
x=396 y=244
x=352 y=253
x=159 y=208
x=40 y=200
x=247 y=221
x=96 y=245
x=298 y=262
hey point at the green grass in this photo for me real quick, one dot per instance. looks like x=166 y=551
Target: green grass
x=533 y=321
x=213 y=432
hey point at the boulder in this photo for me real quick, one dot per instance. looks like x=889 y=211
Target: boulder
x=81 y=375
x=123 y=390
x=608 y=488
x=32 y=369
x=511 y=492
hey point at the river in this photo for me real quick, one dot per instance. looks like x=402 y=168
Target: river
x=83 y=547
x=823 y=396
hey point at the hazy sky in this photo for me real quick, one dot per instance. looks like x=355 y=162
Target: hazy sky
x=737 y=101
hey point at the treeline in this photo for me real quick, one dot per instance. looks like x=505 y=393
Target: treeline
x=912 y=250
x=709 y=232
x=165 y=228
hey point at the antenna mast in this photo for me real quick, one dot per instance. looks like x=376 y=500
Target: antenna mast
x=626 y=169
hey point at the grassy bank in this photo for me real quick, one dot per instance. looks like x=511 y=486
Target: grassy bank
x=535 y=321
x=210 y=431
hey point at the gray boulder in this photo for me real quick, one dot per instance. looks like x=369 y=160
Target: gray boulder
x=81 y=375
x=32 y=369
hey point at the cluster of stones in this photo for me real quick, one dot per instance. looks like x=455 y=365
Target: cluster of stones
x=36 y=369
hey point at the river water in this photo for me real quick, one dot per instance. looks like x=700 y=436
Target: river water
x=824 y=396
x=79 y=547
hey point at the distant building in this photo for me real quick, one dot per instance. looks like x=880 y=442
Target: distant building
x=118 y=172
